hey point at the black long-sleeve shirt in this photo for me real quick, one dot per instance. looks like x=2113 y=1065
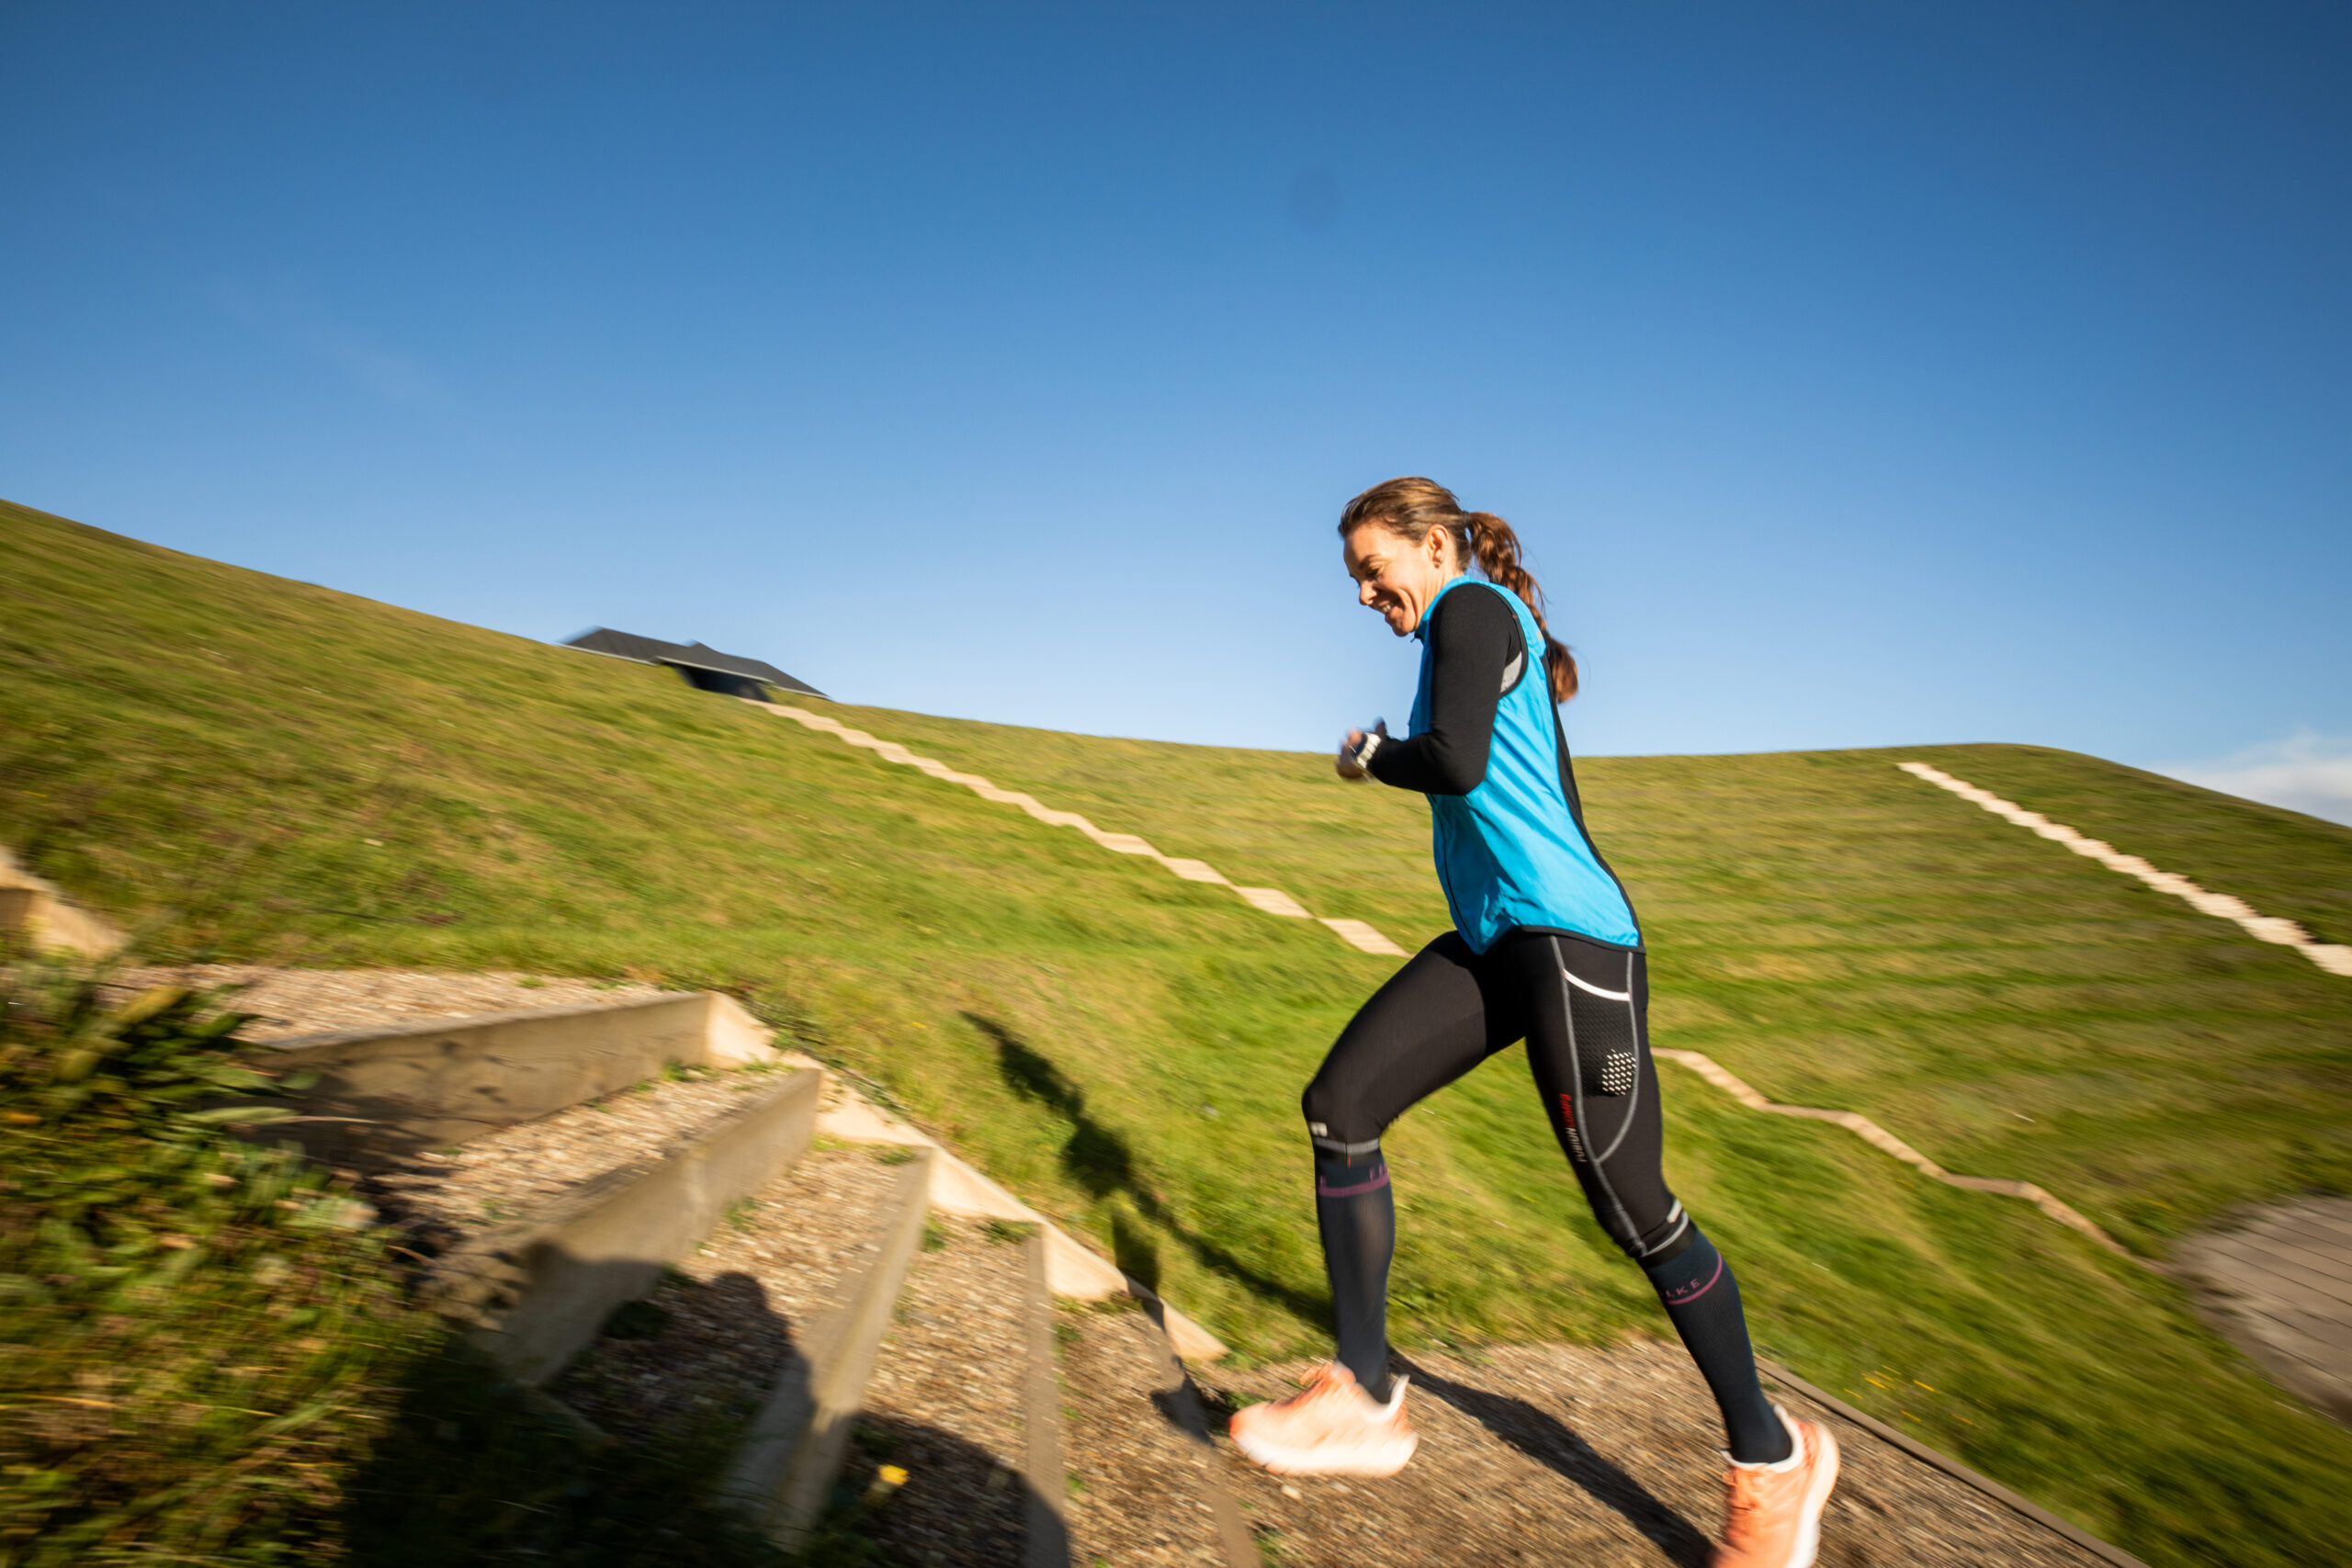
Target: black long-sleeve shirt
x=1476 y=653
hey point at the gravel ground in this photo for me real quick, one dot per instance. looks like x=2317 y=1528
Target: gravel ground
x=944 y=1405
x=720 y=1323
x=317 y=1001
x=443 y=1196
x=1137 y=1479
x=1551 y=1453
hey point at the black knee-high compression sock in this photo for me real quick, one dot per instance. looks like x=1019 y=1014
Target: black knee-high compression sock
x=1356 y=1211
x=1702 y=1299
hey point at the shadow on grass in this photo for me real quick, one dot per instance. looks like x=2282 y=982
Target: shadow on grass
x=1099 y=1160
x=1553 y=1443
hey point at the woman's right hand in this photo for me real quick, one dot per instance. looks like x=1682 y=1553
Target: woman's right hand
x=1356 y=750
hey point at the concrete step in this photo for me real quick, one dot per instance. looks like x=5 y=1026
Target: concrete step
x=385 y=1093
x=1073 y=1271
x=537 y=1288
x=782 y=1470
x=46 y=918
x=701 y=1357
x=1144 y=1485
x=1045 y=1468
x=446 y=1197
x=950 y=1408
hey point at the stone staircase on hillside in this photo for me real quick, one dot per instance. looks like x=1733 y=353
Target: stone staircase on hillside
x=649 y=1216
x=646 y=1214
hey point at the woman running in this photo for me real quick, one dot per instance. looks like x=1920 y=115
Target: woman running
x=1544 y=948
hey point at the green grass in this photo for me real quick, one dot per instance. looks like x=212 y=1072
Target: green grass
x=207 y=753
x=1842 y=934
x=196 y=1344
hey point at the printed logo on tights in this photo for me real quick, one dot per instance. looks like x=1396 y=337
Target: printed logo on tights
x=1568 y=1120
x=1690 y=1291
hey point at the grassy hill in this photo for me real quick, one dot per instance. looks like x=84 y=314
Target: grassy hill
x=246 y=767
x=1842 y=934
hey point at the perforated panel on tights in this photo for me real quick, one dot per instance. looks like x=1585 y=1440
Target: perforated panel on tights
x=1605 y=1042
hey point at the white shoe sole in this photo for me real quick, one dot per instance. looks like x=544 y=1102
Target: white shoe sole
x=1817 y=1497
x=1373 y=1459
x=1383 y=1458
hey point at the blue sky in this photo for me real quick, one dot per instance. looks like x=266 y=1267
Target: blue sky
x=1858 y=374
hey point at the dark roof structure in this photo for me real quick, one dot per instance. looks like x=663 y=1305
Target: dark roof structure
x=702 y=666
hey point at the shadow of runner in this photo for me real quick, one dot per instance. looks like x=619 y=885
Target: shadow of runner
x=1549 y=1441
x=620 y=1464
x=1101 y=1160
x=475 y=1470
x=958 y=1504
x=692 y=1353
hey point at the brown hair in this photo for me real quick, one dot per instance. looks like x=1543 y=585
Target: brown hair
x=1414 y=506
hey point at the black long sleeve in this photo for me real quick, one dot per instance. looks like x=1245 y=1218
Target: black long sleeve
x=1476 y=652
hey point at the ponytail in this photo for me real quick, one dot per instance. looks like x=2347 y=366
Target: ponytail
x=1413 y=506
x=1496 y=549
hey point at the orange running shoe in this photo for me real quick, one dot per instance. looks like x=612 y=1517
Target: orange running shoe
x=1772 y=1512
x=1329 y=1428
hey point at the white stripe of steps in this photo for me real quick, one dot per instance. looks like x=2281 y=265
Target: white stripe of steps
x=1885 y=1142
x=1357 y=934
x=2333 y=957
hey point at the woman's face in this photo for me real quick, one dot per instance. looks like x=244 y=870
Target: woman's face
x=1397 y=576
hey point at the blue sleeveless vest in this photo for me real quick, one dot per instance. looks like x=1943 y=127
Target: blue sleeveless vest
x=1510 y=853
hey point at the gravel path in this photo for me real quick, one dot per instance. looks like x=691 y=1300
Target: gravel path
x=315 y=1001
x=2279 y=1286
x=944 y=1405
x=706 y=1344
x=1551 y=1453
x=1135 y=1478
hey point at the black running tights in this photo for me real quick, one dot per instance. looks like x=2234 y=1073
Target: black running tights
x=1581 y=1007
